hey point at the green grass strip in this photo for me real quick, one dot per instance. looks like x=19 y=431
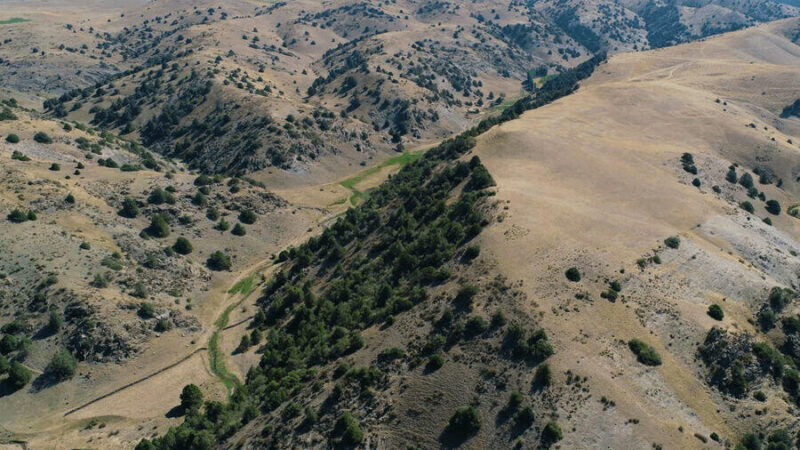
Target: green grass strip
x=400 y=160
x=13 y=20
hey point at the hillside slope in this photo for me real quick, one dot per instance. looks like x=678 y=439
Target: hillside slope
x=596 y=181
x=632 y=283
x=244 y=86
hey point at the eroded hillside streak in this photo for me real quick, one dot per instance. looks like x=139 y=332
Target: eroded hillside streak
x=378 y=260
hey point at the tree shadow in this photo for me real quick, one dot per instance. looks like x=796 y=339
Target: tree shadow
x=175 y=412
x=6 y=389
x=451 y=438
x=43 y=333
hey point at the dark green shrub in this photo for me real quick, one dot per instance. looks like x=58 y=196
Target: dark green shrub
x=159 y=196
x=465 y=421
x=687 y=158
x=4 y=365
x=515 y=400
x=672 y=242
x=238 y=230
x=199 y=200
x=159 y=227
x=42 y=138
x=715 y=312
x=573 y=274
x=12 y=138
x=551 y=434
x=544 y=376
x=219 y=261
x=146 y=310
x=760 y=396
x=62 y=366
x=746 y=180
x=472 y=252
x=435 y=362
x=99 y=281
x=182 y=246
x=773 y=207
x=696 y=182
x=55 y=167
x=19 y=156
x=17 y=216
x=644 y=353
x=716 y=189
x=223 y=225
x=747 y=206
x=731 y=175
x=31 y=215
x=247 y=216
x=526 y=417
x=347 y=431
x=18 y=376
x=55 y=321
x=191 y=398
x=244 y=344
x=139 y=291
x=70 y=199
x=465 y=295
x=9 y=343
x=130 y=208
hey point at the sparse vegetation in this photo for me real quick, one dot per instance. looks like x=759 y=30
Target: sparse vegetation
x=219 y=261
x=715 y=312
x=42 y=138
x=573 y=274
x=644 y=353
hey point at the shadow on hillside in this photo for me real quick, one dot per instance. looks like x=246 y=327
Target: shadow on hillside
x=175 y=412
x=453 y=439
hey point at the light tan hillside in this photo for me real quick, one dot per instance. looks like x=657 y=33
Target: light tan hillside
x=595 y=181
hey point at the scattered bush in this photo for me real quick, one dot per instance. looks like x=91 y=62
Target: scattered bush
x=17 y=216
x=715 y=312
x=465 y=421
x=435 y=362
x=544 y=376
x=526 y=417
x=146 y=310
x=238 y=230
x=42 y=138
x=62 y=366
x=672 y=242
x=19 y=156
x=465 y=295
x=773 y=207
x=747 y=206
x=573 y=274
x=347 y=431
x=644 y=353
x=191 y=398
x=18 y=376
x=247 y=216
x=219 y=261
x=696 y=182
x=182 y=246
x=472 y=252
x=12 y=138
x=551 y=434
x=130 y=208
x=746 y=181
x=159 y=227
x=55 y=167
